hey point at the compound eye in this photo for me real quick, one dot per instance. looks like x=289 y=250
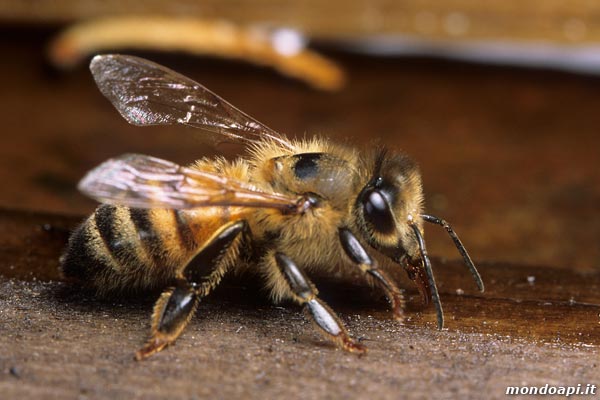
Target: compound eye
x=377 y=211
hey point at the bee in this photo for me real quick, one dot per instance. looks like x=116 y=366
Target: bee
x=285 y=210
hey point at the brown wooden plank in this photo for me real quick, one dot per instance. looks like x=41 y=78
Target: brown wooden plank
x=58 y=341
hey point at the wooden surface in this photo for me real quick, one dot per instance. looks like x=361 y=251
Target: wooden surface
x=509 y=156
x=533 y=326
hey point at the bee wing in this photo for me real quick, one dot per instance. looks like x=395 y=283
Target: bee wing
x=146 y=93
x=141 y=181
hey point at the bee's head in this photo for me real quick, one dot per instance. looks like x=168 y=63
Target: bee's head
x=390 y=202
x=389 y=211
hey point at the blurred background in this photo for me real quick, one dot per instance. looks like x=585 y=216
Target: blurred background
x=497 y=101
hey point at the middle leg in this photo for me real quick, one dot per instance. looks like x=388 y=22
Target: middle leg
x=304 y=292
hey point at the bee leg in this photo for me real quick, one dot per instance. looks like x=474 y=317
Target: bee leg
x=172 y=312
x=359 y=256
x=176 y=305
x=207 y=267
x=304 y=292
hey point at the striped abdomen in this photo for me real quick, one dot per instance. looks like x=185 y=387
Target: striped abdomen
x=120 y=248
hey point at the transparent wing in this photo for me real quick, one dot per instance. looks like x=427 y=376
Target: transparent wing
x=146 y=93
x=141 y=181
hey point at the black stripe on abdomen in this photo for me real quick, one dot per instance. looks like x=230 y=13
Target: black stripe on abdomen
x=118 y=235
x=148 y=235
x=79 y=260
x=184 y=232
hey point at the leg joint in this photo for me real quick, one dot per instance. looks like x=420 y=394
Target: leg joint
x=295 y=278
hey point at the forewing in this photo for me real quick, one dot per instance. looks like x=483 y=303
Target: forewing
x=141 y=181
x=146 y=93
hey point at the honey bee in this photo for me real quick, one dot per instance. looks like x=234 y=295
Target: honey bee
x=287 y=209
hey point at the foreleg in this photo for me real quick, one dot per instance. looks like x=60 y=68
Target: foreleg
x=359 y=257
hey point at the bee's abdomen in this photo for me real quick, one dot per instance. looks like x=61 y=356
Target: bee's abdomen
x=77 y=262
x=120 y=248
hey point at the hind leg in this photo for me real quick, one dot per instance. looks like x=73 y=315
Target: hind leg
x=177 y=304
